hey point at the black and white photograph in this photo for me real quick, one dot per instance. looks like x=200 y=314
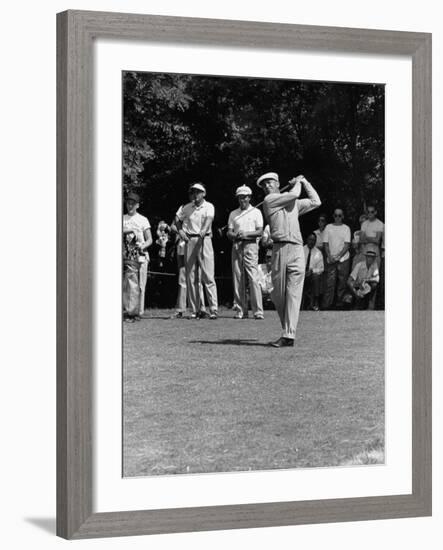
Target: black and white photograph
x=253 y=274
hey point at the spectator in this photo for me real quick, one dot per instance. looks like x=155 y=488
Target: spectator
x=319 y=233
x=357 y=245
x=313 y=273
x=180 y=308
x=162 y=240
x=194 y=223
x=135 y=223
x=336 y=241
x=364 y=279
x=372 y=232
x=245 y=227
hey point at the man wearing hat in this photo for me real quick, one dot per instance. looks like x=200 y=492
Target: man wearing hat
x=140 y=226
x=245 y=227
x=364 y=278
x=194 y=224
x=282 y=211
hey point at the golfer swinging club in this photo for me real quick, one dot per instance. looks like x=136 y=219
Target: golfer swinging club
x=282 y=211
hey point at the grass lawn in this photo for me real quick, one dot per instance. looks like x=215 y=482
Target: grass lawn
x=211 y=396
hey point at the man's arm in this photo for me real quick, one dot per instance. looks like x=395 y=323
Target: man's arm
x=351 y=285
x=277 y=201
x=206 y=226
x=313 y=201
x=343 y=251
x=329 y=258
x=148 y=239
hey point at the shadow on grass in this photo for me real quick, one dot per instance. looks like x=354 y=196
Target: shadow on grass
x=230 y=342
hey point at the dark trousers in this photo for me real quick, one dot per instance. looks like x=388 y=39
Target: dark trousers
x=368 y=301
x=335 y=284
x=311 y=290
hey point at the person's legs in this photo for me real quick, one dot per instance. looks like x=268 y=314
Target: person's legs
x=206 y=260
x=143 y=278
x=238 y=279
x=201 y=292
x=278 y=274
x=181 y=296
x=131 y=290
x=329 y=290
x=315 y=289
x=342 y=277
x=191 y=263
x=371 y=297
x=306 y=302
x=294 y=287
x=250 y=265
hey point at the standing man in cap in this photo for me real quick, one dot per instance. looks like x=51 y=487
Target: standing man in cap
x=282 y=211
x=245 y=227
x=194 y=224
x=140 y=226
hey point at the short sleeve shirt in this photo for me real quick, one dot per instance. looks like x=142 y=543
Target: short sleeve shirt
x=193 y=217
x=361 y=272
x=250 y=219
x=138 y=224
x=371 y=228
x=319 y=234
x=336 y=236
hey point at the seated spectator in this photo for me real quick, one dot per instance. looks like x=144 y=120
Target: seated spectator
x=313 y=273
x=363 y=281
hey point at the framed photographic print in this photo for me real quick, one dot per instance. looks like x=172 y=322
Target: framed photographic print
x=244 y=274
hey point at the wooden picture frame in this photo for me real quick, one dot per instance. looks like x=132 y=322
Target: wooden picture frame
x=76 y=31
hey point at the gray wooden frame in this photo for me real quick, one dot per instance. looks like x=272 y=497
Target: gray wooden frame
x=76 y=31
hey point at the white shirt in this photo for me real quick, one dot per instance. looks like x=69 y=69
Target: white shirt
x=371 y=228
x=319 y=234
x=315 y=261
x=336 y=236
x=193 y=217
x=138 y=224
x=282 y=211
x=248 y=220
x=361 y=273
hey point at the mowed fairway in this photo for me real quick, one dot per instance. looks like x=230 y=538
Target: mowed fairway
x=212 y=396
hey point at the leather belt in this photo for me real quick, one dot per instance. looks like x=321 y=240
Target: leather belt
x=197 y=234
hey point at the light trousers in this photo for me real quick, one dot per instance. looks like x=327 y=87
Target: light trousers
x=200 y=254
x=182 y=287
x=245 y=264
x=288 y=273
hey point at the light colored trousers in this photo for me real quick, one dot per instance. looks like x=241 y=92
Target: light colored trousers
x=245 y=263
x=182 y=287
x=143 y=281
x=200 y=254
x=288 y=273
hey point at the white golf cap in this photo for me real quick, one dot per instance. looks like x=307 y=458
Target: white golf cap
x=197 y=186
x=267 y=176
x=243 y=190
